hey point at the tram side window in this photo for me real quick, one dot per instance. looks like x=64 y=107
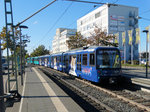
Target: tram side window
x=92 y=59
x=52 y=60
x=80 y=58
x=59 y=58
x=77 y=59
x=80 y=63
x=77 y=62
x=64 y=59
x=84 y=59
x=69 y=59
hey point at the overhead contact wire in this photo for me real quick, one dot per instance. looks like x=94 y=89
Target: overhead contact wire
x=55 y=23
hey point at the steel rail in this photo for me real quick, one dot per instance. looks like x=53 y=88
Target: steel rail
x=110 y=93
x=81 y=91
x=118 y=96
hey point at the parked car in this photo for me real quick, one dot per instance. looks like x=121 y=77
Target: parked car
x=5 y=66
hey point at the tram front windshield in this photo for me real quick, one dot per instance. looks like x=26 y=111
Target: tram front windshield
x=108 y=59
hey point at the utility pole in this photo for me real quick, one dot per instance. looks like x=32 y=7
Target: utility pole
x=21 y=56
x=12 y=70
x=2 y=106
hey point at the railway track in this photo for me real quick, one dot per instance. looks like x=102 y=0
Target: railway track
x=110 y=100
x=100 y=107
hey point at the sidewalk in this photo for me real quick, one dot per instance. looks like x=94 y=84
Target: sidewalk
x=41 y=94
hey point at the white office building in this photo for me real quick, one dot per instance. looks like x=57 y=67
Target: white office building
x=113 y=19
x=59 y=43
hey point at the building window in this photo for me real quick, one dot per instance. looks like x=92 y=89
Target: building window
x=84 y=59
x=92 y=59
x=97 y=15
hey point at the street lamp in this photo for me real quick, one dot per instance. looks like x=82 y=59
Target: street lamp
x=146 y=31
x=21 y=73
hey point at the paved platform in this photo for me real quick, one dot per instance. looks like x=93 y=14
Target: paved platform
x=41 y=94
x=137 y=76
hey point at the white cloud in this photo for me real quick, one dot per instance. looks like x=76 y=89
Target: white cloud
x=35 y=22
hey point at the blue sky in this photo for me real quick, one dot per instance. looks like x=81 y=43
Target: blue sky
x=42 y=27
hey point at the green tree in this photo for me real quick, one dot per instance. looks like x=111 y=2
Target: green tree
x=26 y=56
x=76 y=41
x=39 y=51
x=18 y=50
x=100 y=38
x=4 y=39
x=10 y=40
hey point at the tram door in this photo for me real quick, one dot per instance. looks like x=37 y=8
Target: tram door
x=72 y=65
x=73 y=62
x=79 y=64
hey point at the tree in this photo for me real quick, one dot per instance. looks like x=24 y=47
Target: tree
x=76 y=41
x=100 y=37
x=39 y=51
x=26 y=56
x=18 y=50
x=10 y=40
x=4 y=39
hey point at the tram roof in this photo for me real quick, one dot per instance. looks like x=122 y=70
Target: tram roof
x=90 y=48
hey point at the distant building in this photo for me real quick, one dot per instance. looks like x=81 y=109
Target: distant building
x=113 y=19
x=59 y=42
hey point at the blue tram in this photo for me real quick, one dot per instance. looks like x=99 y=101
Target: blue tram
x=93 y=63
x=36 y=60
x=46 y=60
x=56 y=61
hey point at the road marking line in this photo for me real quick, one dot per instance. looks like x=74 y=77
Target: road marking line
x=20 y=108
x=56 y=101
